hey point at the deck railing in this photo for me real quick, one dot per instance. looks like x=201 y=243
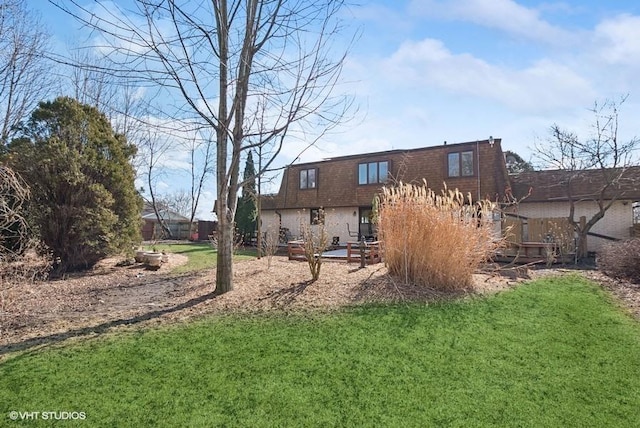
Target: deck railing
x=372 y=252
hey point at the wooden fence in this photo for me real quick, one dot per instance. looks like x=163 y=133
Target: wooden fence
x=538 y=239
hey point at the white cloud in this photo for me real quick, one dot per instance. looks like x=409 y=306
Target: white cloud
x=205 y=206
x=544 y=85
x=617 y=40
x=114 y=35
x=503 y=15
x=162 y=186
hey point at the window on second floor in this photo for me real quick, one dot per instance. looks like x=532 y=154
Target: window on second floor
x=460 y=164
x=308 y=178
x=373 y=172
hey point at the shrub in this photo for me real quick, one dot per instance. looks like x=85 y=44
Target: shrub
x=316 y=241
x=621 y=260
x=434 y=240
x=270 y=242
x=84 y=203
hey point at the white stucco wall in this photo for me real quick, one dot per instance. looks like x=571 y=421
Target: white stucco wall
x=616 y=222
x=336 y=220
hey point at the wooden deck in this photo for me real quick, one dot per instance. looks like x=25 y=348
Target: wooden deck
x=351 y=253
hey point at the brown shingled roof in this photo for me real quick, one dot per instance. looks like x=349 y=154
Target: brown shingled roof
x=551 y=185
x=338 y=184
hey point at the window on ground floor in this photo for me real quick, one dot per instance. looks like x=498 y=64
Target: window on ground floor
x=317 y=215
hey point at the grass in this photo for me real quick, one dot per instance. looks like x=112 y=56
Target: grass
x=556 y=352
x=201 y=255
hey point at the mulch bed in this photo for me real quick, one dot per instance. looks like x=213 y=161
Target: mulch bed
x=112 y=297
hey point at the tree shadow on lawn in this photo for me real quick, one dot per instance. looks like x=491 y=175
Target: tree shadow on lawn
x=100 y=328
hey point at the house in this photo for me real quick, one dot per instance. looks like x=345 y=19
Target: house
x=344 y=187
x=179 y=225
x=548 y=197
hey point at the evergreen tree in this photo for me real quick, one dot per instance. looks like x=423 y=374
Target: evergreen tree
x=84 y=202
x=246 y=212
x=515 y=163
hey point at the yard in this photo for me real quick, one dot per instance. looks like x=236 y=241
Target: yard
x=353 y=349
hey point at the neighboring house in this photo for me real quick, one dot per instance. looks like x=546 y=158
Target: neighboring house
x=344 y=187
x=548 y=198
x=178 y=224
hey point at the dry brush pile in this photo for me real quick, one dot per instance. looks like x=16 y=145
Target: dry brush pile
x=621 y=260
x=14 y=194
x=19 y=259
x=434 y=240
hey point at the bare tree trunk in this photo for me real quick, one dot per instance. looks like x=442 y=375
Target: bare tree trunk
x=154 y=149
x=583 y=232
x=224 y=268
x=199 y=178
x=259 y=242
x=154 y=205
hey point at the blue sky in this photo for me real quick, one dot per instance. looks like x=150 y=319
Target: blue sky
x=428 y=71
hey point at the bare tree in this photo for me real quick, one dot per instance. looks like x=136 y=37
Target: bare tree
x=14 y=195
x=24 y=72
x=315 y=242
x=90 y=86
x=601 y=161
x=201 y=165
x=133 y=116
x=219 y=58
x=153 y=148
x=178 y=201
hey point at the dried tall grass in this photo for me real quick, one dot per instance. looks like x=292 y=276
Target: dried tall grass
x=434 y=240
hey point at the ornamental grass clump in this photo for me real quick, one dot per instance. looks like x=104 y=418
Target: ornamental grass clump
x=434 y=240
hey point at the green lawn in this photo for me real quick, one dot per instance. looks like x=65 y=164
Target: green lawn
x=553 y=353
x=201 y=255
